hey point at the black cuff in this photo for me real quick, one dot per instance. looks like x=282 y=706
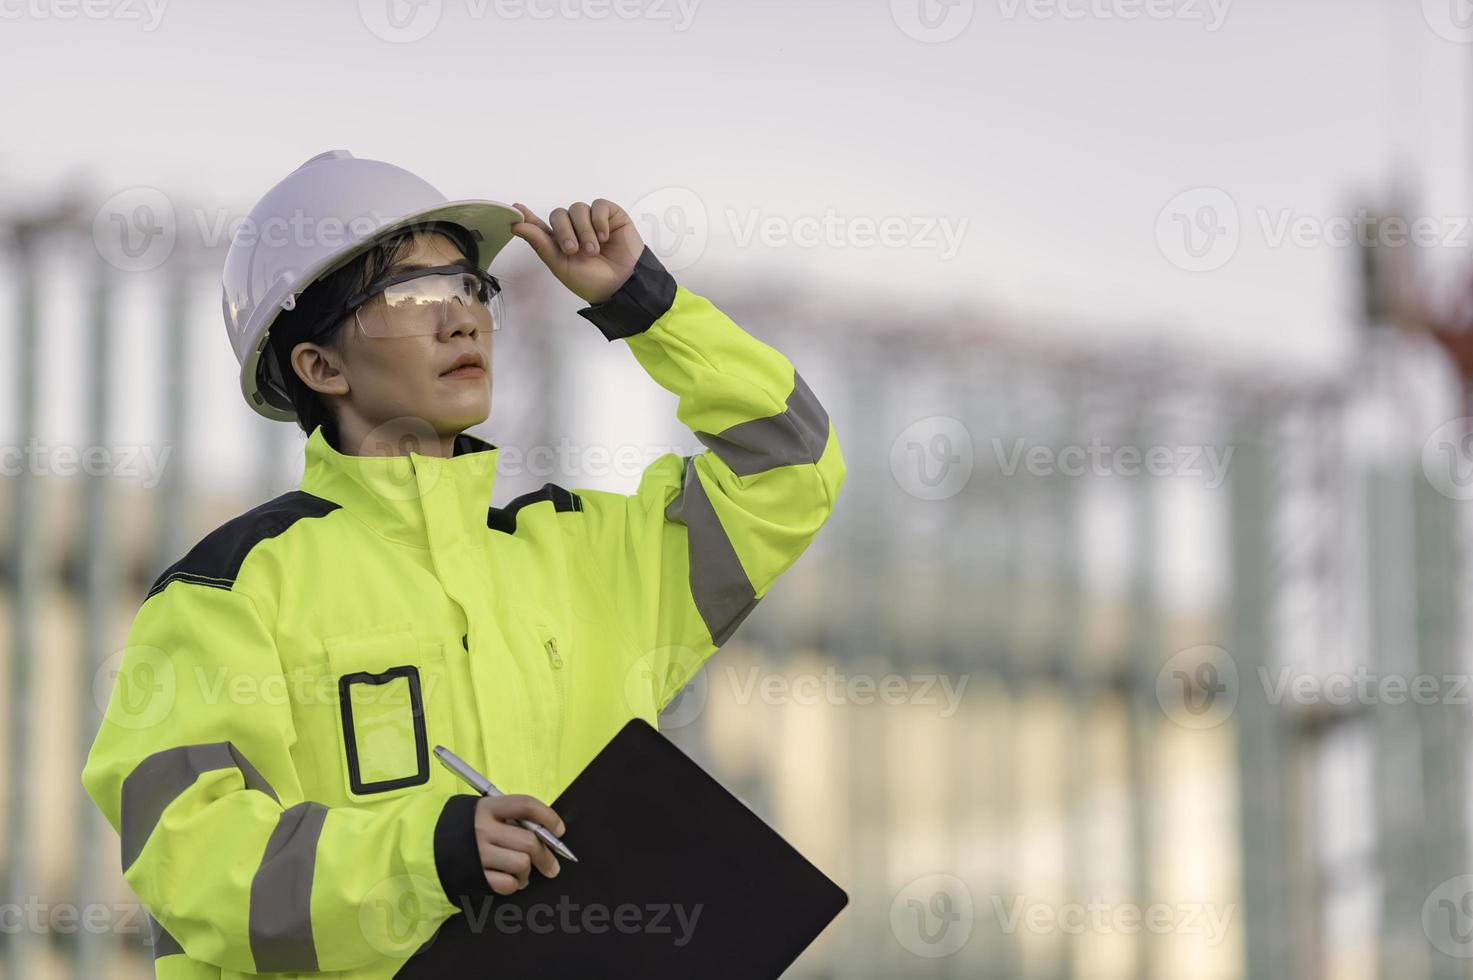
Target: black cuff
x=645 y=297
x=457 y=858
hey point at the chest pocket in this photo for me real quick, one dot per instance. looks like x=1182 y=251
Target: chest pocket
x=392 y=707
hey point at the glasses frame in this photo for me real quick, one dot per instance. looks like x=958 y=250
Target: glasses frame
x=353 y=303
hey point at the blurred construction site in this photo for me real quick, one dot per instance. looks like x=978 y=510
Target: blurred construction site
x=1117 y=660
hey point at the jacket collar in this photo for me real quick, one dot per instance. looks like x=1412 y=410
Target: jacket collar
x=413 y=499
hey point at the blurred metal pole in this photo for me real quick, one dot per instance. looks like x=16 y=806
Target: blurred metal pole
x=1264 y=812
x=1443 y=725
x=1390 y=577
x=1144 y=657
x=26 y=574
x=1072 y=645
x=981 y=596
x=99 y=592
x=1008 y=420
x=859 y=523
x=955 y=659
x=171 y=520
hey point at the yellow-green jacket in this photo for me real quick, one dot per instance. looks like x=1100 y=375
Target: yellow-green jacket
x=270 y=824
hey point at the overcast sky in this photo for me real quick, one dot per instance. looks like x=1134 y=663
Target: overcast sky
x=1047 y=158
x=1028 y=157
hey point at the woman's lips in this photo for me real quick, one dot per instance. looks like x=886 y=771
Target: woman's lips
x=465 y=371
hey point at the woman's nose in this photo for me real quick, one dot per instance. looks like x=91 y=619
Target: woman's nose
x=460 y=318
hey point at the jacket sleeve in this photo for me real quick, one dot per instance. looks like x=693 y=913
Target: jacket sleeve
x=191 y=765
x=687 y=557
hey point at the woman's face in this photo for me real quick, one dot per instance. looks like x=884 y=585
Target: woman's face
x=402 y=383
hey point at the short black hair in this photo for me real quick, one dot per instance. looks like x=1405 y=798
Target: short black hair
x=314 y=318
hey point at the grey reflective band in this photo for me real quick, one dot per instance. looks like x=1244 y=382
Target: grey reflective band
x=281 y=893
x=798 y=435
x=163 y=943
x=719 y=585
x=159 y=779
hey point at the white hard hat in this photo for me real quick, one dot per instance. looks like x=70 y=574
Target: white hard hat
x=321 y=215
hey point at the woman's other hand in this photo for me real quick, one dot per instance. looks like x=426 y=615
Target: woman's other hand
x=591 y=248
x=509 y=851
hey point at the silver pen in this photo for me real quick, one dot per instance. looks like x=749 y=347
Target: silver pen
x=485 y=787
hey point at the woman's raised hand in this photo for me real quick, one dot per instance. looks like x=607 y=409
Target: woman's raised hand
x=591 y=248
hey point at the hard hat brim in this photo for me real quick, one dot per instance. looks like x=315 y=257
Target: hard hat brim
x=489 y=222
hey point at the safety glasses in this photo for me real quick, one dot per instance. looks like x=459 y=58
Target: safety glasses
x=421 y=301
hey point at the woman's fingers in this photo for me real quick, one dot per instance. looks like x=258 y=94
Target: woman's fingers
x=582 y=216
x=508 y=849
x=506 y=863
x=502 y=884
x=520 y=806
x=530 y=846
x=536 y=233
x=516 y=851
x=602 y=209
x=562 y=231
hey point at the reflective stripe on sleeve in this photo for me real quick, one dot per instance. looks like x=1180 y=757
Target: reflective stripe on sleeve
x=798 y=435
x=163 y=943
x=719 y=585
x=281 y=893
x=159 y=779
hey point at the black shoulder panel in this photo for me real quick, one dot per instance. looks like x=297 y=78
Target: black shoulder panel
x=216 y=560
x=505 y=518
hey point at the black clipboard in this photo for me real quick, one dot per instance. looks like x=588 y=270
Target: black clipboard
x=675 y=878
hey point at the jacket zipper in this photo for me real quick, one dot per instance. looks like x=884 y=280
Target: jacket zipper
x=556 y=660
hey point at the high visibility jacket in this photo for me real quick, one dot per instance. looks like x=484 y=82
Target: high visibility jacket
x=264 y=755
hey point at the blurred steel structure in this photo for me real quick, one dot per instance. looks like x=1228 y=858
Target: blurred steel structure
x=1068 y=778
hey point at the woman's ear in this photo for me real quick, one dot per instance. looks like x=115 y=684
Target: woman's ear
x=320 y=368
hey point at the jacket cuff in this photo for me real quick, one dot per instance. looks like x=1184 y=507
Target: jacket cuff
x=457 y=858
x=644 y=297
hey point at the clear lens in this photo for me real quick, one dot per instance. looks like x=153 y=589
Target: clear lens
x=426 y=304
